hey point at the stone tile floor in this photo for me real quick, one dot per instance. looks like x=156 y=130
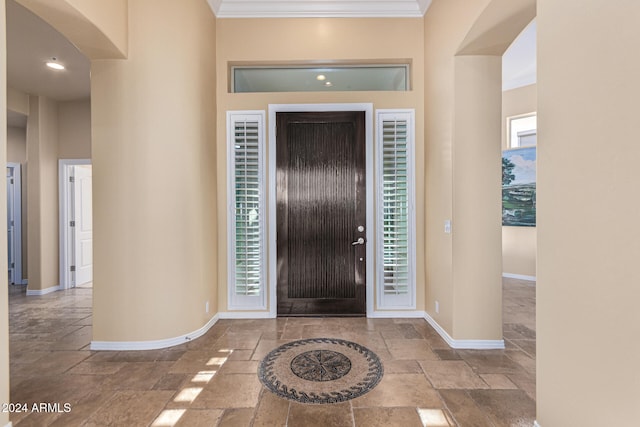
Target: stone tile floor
x=212 y=381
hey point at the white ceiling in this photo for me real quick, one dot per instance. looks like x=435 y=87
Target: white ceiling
x=31 y=42
x=519 y=61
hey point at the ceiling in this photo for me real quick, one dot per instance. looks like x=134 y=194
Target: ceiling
x=519 y=63
x=31 y=42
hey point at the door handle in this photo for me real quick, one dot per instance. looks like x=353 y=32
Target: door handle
x=360 y=241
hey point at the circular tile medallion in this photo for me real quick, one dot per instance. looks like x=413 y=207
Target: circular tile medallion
x=320 y=365
x=320 y=370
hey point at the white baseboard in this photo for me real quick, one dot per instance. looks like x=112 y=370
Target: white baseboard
x=38 y=292
x=153 y=345
x=413 y=314
x=246 y=315
x=519 y=276
x=9 y=425
x=384 y=314
x=464 y=344
x=535 y=424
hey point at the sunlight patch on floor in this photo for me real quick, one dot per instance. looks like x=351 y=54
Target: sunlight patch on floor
x=433 y=418
x=188 y=394
x=168 y=418
x=203 y=376
x=216 y=361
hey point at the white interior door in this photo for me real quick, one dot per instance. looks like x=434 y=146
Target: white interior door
x=14 y=223
x=83 y=214
x=11 y=246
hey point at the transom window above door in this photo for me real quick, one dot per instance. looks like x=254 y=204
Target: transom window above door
x=320 y=78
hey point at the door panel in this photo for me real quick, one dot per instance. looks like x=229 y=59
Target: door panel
x=84 y=224
x=11 y=243
x=320 y=204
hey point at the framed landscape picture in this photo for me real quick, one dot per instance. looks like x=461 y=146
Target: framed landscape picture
x=519 y=187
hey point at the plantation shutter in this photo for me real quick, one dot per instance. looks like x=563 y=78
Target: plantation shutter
x=247 y=211
x=395 y=210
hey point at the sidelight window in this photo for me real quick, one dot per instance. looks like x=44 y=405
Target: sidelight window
x=246 y=215
x=396 y=224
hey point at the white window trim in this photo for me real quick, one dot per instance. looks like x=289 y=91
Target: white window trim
x=243 y=302
x=510 y=119
x=407 y=301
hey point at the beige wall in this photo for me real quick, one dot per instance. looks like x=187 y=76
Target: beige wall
x=464 y=43
x=74 y=129
x=17 y=145
x=519 y=246
x=447 y=23
x=42 y=195
x=4 y=303
x=588 y=322
x=153 y=154
x=518 y=243
x=324 y=40
x=476 y=227
x=521 y=100
x=17 y=101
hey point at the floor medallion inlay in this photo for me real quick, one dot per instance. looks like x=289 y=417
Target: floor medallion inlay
x=320 y=370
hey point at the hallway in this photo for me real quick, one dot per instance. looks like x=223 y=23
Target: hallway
x=212 y=381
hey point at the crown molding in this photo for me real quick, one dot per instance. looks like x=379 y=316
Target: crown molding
x=319 y=8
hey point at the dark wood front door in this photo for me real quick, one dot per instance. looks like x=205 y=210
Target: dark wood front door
x=321 y=213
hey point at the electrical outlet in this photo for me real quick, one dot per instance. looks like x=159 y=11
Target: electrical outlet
x=206 y=307
x=447 y=226
x=437 y=307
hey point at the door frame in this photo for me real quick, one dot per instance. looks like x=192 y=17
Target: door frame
x=67 y=242
x=370 y=162
x=17 y=221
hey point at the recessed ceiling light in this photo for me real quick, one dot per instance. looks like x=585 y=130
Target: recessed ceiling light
x=54 y=64
x=328 y=84
x=321 y=77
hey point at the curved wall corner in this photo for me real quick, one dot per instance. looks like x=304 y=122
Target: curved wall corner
x=97 y=28
x=497 y=27
x=154 y=165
